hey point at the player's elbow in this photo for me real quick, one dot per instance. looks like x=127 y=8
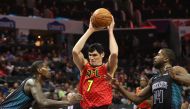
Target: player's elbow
x=114 y=55
x=114 y=58
x=114 y=50
x=137 y=101
x=75 y=52
x=43 y=103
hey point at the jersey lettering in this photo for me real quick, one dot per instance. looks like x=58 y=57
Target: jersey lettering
x=91 y=72
x=158 y=96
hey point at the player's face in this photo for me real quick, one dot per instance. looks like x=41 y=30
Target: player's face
x=95 y=58
x=45 y=71
x=143 y=82
x=159 y=59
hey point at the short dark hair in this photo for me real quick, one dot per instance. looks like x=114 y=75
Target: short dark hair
x=170 y=55
x=96 y=46
x=35 y=65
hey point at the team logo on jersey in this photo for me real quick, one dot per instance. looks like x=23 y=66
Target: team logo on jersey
x=92 y=72
x=158 y=89
x=161 y=84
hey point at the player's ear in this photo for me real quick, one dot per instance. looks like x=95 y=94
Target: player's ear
x=166 y=59
x=102 y=54
x=39 y=70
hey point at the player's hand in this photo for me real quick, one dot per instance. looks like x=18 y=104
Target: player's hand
x=113 y=81
x=93 y=29
x=172 y=73
x=177 y=71
x=74 y=97
x=170 y=70
x=111 y=27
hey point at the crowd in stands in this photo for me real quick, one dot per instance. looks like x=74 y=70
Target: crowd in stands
x=18 y=51
x=127 y=13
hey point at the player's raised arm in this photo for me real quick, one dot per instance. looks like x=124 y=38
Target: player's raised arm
x=78 y=57
x=113 y=58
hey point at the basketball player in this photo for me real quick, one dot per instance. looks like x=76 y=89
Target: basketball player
x=165 y=88
x=30 y=91
x=143 y=83
x=94 y=88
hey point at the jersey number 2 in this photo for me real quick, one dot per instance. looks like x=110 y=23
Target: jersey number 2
x=90 y=85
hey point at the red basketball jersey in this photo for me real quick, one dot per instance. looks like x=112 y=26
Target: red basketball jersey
x=144 y=104
x=94 y=88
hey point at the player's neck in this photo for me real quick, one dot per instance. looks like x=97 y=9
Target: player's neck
x=39 y=79
x=164 y=68
x=97 y=65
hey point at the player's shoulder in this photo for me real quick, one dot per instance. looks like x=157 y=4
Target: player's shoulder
x=152 y=79
x=30 y=82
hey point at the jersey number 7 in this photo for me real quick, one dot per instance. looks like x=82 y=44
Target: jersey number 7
x=90 y=85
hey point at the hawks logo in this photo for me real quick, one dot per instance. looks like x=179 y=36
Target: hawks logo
x=92 y=72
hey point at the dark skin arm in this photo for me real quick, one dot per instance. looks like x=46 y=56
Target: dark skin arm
x=180 y=74
x=136 y=98
x=143 y=95
x=35 y=89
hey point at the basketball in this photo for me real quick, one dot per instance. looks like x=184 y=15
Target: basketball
x=101 y=18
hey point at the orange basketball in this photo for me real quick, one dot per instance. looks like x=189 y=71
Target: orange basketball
x=101 y=18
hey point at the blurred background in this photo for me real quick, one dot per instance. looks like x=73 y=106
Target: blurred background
x=48 y=29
